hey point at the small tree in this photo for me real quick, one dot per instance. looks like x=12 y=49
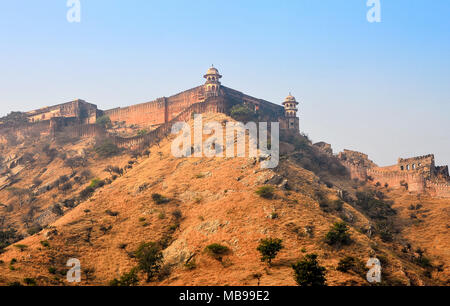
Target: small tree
x=149 y=258
x=308 y=272
x=106 y=149
x=338 y=234
x=269 y=249
x=104 y=121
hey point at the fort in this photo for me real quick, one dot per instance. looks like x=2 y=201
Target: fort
x=156 y=116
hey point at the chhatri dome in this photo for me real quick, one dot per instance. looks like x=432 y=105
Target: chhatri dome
x=290 y=106
x=212 y=84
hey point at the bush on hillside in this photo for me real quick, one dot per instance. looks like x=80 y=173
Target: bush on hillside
x=149 y=257
x=159 y=199
x=265 y=192
x=127 y=279
x=104 y=121
x=338 y=235
x=217 y=250
x=106 y=149
x=308 y=272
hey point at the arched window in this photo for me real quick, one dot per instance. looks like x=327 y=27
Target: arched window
x=402 y=168
x=407 y=167
x=414 y=166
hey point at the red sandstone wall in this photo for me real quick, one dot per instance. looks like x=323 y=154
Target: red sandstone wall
x=416 y=182
x=178 y=103
x=356 y=172
x=214 y=105
x=156 y=112
x=28 y=130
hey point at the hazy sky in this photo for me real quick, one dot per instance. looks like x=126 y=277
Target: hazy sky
x=380 y=88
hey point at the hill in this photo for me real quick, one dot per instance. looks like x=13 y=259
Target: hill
x=187 y=204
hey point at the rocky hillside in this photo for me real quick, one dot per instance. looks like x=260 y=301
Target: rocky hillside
x=118 y=200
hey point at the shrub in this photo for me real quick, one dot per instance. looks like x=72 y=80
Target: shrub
x=96 y=183
x=217 y=250
x=269 y=249
x=29 y=281
x=52 y=270
x=345 y=264
x=149 y=258
x=87 y=192
x=112 y=213
x=241 y=112
x=66 y=187
x=126 y=280
x=265 y=192
x=308 y=272
x=338 y=234
x=21 y=247
x=45 y=243
x=57 y=209
x=383 y=229
x=423 y=262
x=159 y=199
x=142 y=132
x=177 y=214
x=34 y=229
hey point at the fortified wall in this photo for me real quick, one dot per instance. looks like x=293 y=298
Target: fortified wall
x=78 y=109
x=155 y=116
x=416 y=174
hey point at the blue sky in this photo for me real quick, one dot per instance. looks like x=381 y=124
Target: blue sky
x=380 y=88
